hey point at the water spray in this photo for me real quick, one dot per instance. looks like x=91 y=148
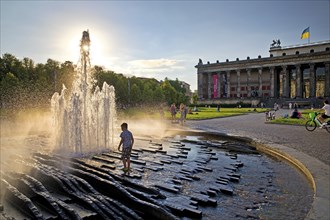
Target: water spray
x=84 y=121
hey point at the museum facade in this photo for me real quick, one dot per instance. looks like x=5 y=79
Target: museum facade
x=290 y=72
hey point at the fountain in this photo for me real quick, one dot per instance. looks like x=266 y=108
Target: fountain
x=85 y=120
x=183 y=175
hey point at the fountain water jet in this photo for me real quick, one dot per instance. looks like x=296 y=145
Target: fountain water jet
x=85 y=120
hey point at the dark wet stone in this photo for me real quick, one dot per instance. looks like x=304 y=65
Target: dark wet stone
x=166 y=161
x=203 y=199
x=226 y=189
x=222 y=182
x=104 y=160
x=161 y=151
x=167 y=187
x=112 y=167
x=149 y=150
x=205 y=168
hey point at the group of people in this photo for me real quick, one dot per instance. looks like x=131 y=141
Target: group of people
x=183 y=109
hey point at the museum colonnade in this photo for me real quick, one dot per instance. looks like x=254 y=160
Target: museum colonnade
x=285 y=81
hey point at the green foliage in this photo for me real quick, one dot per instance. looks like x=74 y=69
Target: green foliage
x=201 y=114
x=24 y=83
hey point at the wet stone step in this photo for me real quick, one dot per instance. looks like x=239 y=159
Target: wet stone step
x=112 y=167
x=181 y=148
x=182 y=156
x=161 y=151
x=153 y=168
x=156 y=144
x=167 y=187
x=226 y=189
x=184 y=211
x=134 y=150
x=223 y=179
x=201 y=161
x=184 y=152
x=156 y=147
x=112 y=155
x=222 y=182
x=119 y=154
x=234 y=179
x=234 y=175
x=149 y=150
x=177 y=181
x=203 y=199
x=183 y=178
x=177 y=161
x=230 y=168
x=238 y=164
x=166 y=161
x=214 y=158
x=205 y=168
x=209 y=192
x=102 y=159
x=141 y=162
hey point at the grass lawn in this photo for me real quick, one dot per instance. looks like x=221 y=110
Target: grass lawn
x=203 y=113
x=293 y=121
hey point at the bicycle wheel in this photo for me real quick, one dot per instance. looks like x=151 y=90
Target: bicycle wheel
x=327 y=128
x=310 y=125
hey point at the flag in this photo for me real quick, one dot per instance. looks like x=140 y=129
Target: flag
x=305 y=33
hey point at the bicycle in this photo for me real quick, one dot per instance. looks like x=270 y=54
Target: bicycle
x=314 y=122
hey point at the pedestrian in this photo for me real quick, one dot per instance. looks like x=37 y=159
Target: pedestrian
x=127 y=140
x=173 y=112
x=182 y=113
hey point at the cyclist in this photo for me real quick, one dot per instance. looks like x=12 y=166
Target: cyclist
x=326 y=113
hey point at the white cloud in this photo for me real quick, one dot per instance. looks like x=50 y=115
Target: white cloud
x=155 y=64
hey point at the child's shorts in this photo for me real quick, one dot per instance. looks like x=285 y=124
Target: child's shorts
x=126 y=153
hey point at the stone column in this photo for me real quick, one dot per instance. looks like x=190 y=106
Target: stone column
x=327 y=80
x=219 y=85
x=286 y=82
x=312 y=91
x=228 y=84
x=209 y=87
x=272 y=81
x=260 y=81
x=248 y=71
x=200 y=85
x=299 y=87
x=238 y=72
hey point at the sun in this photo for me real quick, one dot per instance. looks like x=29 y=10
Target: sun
x=97 y=52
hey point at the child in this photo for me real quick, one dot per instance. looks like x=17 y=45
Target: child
x=127 y=141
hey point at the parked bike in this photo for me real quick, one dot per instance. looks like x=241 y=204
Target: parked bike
x=314 y=122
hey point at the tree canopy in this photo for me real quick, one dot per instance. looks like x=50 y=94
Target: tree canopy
x=26 y=84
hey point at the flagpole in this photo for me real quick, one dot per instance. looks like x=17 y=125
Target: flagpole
x=309 y=35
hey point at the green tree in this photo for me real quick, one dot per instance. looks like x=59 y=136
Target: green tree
x=170 y=94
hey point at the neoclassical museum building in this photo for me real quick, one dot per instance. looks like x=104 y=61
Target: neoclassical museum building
x=299 y=72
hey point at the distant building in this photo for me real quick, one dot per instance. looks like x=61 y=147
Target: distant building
x=291 y=72
x=186 y=86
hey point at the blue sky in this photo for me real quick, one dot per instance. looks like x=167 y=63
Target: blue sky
x=158 y=38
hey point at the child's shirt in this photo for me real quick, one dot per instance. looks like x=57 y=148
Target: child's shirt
x=127 y=138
